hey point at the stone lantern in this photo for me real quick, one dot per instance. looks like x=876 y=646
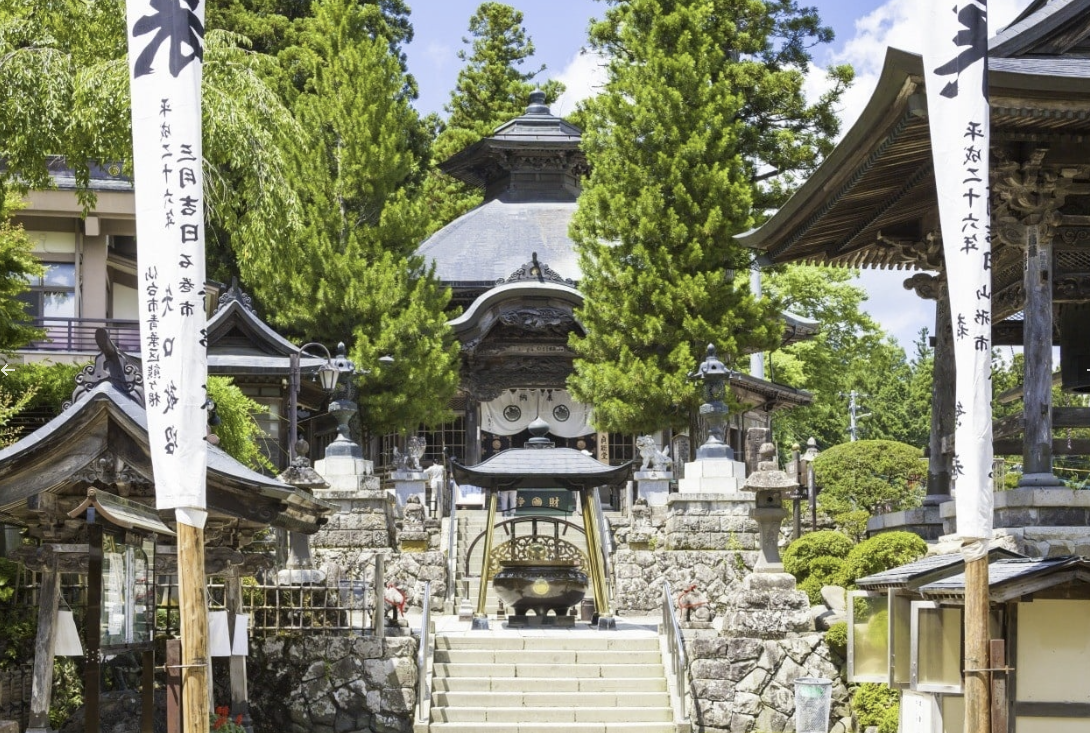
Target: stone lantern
x=713 y=375
x=769 y=483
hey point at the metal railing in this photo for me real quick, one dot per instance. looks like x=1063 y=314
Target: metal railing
x=78 y=334
x=675 y=646
x=423 y=656
x=452 y=553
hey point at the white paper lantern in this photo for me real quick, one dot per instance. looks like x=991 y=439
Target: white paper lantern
x=240 y=643
x=67 y=642
x=219 y=638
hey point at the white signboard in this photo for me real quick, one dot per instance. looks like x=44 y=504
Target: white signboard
x=957 y=108
x=165 y=55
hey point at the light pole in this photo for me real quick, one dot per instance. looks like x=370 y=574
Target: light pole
x=327 y=375
x=809 y=456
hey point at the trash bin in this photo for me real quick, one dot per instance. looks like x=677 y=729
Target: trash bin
x=813 y=700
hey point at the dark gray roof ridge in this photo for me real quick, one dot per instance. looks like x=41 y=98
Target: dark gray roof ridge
x=1035 y=23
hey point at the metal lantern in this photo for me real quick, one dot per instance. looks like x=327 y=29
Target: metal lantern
x=714 y=375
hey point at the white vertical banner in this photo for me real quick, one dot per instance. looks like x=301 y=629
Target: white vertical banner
x=957 y=107
x=166 y=52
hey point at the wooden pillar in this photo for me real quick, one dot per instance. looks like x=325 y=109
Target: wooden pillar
x=472 y=452
x=977 y=682
x=1037 y=344
x=194 y=622
x=943 y=402
x=92 y=623
x=41 y=686
x=240 y=694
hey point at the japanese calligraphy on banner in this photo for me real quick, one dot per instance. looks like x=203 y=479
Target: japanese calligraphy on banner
x=165 y=57
x=957 y=108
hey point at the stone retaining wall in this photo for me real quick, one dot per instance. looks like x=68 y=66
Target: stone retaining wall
x=639 y=575
x=323 y=684
x=745 y=685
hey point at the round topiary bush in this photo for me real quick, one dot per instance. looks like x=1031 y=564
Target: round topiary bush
x=799 y=555
x=881 y=552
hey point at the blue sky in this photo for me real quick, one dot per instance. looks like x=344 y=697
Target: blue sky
x=864 y=29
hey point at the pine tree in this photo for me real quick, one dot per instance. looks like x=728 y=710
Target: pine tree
x=490 y=91
x=350 y=273
x=702 y=110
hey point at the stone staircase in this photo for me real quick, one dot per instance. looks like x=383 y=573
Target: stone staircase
x=572 y=681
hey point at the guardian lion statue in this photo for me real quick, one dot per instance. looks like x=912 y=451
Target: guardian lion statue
x=654 y=458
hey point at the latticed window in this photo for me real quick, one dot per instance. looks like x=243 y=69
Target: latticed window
x=451 y=435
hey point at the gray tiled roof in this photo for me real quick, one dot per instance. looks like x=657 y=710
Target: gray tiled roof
x=903 y=575
x=541 y=468
x=497 y=238
x=1004 y=571
x=1071 y=67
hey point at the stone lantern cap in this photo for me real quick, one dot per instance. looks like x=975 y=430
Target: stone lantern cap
x=769 y=476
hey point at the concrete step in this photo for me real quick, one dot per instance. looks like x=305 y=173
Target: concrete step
x=491 y=685
x=546 y=656
x=571 y=671
x=571 y=714
x=532 y=698
x=552 y=640
x=553 y=727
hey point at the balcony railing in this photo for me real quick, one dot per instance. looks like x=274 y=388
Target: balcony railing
x=78 y=334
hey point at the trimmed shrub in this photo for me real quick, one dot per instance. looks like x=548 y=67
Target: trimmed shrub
x=881 y=552
x=837 y=637
x=799 y=555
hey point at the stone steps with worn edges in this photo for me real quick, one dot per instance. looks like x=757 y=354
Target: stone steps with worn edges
x=574 y=685
x=549 y=727
x=571 y=714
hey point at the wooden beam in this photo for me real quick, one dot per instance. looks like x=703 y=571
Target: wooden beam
x=1060 y=447
x=976 y=682
x=194 y=628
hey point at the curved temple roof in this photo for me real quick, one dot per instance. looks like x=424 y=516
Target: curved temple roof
x=541 y=468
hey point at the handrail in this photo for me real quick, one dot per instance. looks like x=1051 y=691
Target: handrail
x=423 y=687
x=675 y=645
x=78 y=334
x=452 y=551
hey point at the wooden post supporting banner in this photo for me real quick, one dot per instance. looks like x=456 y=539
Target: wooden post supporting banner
x=194 y=618
x=977 y=684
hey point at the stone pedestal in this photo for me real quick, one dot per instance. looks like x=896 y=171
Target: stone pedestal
x=364 y=518
x=406 y=484
x=653 y=486
x=721 y=476
x=713 y=521
x=1041 y=522
x=925 y=521
x=768 y=606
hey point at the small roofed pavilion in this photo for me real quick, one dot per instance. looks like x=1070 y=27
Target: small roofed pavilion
x=872 y=204
x=540 y=465
x=90 y=466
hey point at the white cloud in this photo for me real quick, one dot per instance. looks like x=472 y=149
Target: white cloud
x=584 y=76
x=900 y=24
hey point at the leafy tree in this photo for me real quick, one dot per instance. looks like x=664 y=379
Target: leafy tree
x=17 y=264
x=284 y=30
x=350 y=271
x=10 y=406
x=701 y=126
x=490 y=91
x=237 y=431
x=866 y=477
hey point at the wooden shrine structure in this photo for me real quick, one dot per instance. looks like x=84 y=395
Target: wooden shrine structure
x=88 y=472
x=872 y=204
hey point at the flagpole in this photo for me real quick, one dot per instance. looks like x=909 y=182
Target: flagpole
x=194 y=628
x=959 y=114
x=166 y=54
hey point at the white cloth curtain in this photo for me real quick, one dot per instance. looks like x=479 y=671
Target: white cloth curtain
x=515 y=409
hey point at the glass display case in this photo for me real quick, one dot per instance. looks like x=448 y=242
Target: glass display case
x=128 y=594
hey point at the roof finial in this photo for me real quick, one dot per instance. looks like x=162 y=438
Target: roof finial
x=537 y=103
